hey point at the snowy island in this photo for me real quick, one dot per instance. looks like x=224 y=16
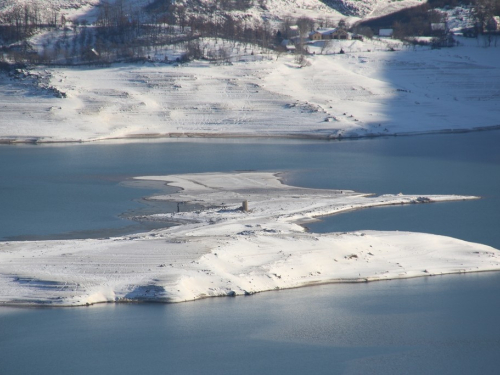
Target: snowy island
x=246 y=239
x=71 y=82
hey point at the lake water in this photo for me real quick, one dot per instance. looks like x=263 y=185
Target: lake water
x=438 y=325
x=77 y=190
x=430 y=325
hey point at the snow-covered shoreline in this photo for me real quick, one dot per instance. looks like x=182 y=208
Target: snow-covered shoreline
x=191 y=136
x=376 y=88
x=222 y=250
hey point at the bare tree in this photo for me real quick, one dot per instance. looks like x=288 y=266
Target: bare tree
x=301 y=60
x=483 y=10
x=327 y=43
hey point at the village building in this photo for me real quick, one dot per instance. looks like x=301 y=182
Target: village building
x=340 y=34
x=316 y=35
x=288 y=44
x=330 y=33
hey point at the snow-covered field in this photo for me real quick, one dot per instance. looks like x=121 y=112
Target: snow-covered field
x=367 y=91
x=224 y=251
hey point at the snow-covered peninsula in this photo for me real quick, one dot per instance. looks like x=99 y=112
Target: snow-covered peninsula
x=223 y=250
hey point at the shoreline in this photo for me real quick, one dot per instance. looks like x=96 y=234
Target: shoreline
x=45 y=305
x=141 y=219
x=13 y=140
x=367 y=92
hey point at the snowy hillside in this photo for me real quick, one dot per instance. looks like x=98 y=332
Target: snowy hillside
x=267 y=8
x=324 y=8
x=47 y=7
x=367 y=91
x=70 y=9
x=225 y=78
x=6 y=5
x=371 y=8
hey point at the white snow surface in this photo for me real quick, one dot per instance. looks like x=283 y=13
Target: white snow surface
x=368 y=91
x=224 y=251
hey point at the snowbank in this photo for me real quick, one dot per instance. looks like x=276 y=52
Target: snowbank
x=223 y=250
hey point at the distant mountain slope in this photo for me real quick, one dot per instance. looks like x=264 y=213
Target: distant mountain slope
x=321 y=8
x=45 y=8
x=268 y=8
x=6 y=5
x=353 y=7
x=70 y=9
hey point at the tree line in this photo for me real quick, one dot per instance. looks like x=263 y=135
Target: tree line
x=123 y=31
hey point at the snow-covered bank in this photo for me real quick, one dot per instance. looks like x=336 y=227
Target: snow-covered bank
x=222 y=250
x=368 y=91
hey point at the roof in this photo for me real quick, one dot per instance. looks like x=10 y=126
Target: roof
x=328 y=31
x=288 y=44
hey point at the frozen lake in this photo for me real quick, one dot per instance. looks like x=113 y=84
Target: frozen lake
x=429 y=325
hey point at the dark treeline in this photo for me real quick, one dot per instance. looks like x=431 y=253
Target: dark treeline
x=20 y=23
x=124 y=32
x=161 y=6
x=24 y=20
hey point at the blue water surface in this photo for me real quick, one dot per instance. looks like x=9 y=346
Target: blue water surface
x=78 y=191
x=432 y=325
x=436 y=325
